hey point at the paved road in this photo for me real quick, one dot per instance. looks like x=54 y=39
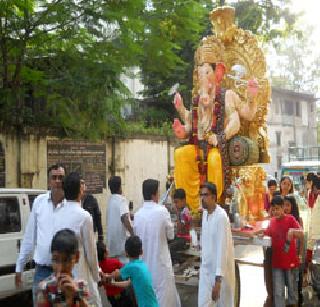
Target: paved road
x=253 y=292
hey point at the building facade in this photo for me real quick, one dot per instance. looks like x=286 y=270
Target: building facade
x=292 y=122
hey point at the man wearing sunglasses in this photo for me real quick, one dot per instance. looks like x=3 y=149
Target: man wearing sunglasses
x=217 y=272
x=39 y=230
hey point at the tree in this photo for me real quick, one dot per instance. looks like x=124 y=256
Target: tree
x=183 y=24
x=173 y=29
x=269 y=19
x=61 y=62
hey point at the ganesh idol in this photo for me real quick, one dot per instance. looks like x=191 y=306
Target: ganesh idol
x=213 y=119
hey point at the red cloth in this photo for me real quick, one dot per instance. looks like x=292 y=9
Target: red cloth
x=109 y=265
x=311 y=199
x=266 y=201
x=309 y=256
x=185 y=221
x=278 y=230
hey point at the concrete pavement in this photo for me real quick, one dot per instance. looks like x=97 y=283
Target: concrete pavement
x=253 y=292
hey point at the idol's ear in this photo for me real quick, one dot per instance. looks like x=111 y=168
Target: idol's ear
x=220 y=70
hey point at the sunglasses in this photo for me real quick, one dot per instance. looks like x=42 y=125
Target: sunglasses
x=55 y=177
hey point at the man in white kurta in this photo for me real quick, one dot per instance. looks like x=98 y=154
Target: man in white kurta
x=71 y=215
x=217 y=272
x=153 y=225
x=118 y=220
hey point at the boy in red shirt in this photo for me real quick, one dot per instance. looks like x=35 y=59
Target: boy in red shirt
x=117 y=296
x=182 y=237
x=284 y=253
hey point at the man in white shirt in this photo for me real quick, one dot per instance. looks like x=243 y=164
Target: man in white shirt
x=118 y=220
x=153 y=225
x=39 y=230
x=217 y=273
x=72 y=216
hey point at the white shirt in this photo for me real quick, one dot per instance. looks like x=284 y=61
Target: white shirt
x=38 y=233
x=217 y=259
x=153 y=225
x=72 y=216
x=116 y=231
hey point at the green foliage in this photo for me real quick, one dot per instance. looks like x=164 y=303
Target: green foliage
x=184 y=23
x=174 y=29
x=143 y=128
x=61 y=63
x=61 y=60
x=269 y=19
x=249 y=15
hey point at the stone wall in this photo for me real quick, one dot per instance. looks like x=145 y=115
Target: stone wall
x=134 y=159
x=25 y=161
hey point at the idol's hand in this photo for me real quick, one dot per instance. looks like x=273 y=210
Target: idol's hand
x=178 y=102
x=179 y=129
x=212 y=140
x=252 y=88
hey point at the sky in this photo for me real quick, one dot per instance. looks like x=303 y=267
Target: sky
x=311 y=15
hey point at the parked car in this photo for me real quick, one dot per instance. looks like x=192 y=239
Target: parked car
x=15 y=207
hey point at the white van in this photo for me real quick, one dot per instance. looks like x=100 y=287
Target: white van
x=15 y=207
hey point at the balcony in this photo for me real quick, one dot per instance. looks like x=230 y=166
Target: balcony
x=304 y=153
x=288 y=120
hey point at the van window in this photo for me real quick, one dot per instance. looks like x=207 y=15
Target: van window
x=31 y=200
x=10 y=220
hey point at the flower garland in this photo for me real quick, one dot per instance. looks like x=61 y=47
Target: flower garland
x=218 y=129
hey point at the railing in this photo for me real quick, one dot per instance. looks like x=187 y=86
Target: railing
x=304 y=153
x=287 y=120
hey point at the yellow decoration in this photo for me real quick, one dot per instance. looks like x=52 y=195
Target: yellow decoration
x=242 y=48
x=209 y=51
x=251 y=189
x=186 y=172
x=233 y=47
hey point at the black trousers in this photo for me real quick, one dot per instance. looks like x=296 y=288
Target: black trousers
x=125 y=299
x=176 y=245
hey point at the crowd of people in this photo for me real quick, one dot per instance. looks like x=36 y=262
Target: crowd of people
x=65 y=238
x=287 y=261
x=135 y=266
